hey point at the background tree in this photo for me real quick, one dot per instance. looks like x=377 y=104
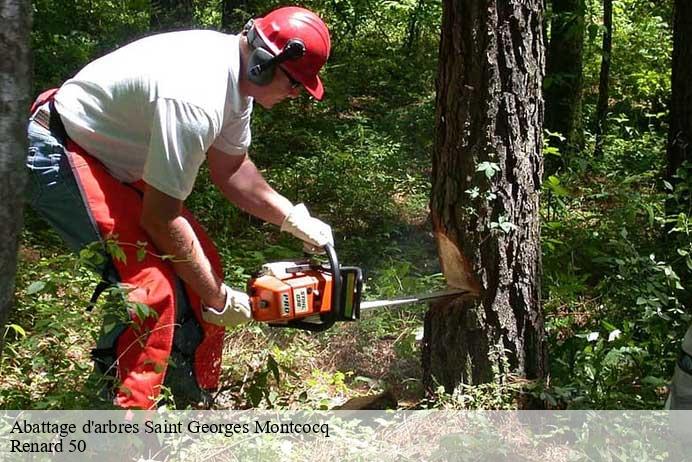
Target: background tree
x=563 y=81
x=487 y=168
x=169 y=15
x=15 y=74
x=414 y=25
x=602 y=106
x=234 y=15
x=680 y=130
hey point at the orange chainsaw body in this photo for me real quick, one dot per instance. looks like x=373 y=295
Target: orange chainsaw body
x=306 y=295
x=282 y=296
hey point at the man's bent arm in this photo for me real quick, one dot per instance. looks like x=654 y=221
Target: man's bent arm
x=172 y=234
x=242 y=184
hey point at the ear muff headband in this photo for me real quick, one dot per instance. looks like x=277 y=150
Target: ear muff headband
x=262 y=63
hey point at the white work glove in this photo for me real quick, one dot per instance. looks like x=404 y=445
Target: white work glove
x=236 y=311
x=315 y=233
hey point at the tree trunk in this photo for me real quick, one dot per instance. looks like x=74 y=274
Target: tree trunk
x=680 y=130
x=563 y=82
x=170 y=15
x=15 y=74
x=487 y=167
x=602 y=106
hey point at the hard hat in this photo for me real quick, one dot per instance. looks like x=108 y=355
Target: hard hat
x=289 y=25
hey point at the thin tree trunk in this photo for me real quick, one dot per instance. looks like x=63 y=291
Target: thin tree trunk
x=680 y=125
x=487 y=167
x=602 y=106
x=563 y=82
x=15 y=74
x=413 y=33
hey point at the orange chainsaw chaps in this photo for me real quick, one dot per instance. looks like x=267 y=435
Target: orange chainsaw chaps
x=144 y=348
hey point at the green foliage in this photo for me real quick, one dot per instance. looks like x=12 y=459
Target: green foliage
x=617 y=250
x=46 y=363
x=67 y=34
x=614 y=263
x=502 y=393
x=641 y=57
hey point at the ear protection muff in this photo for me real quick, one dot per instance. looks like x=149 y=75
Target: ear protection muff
x=260 y=70
x=262 y=63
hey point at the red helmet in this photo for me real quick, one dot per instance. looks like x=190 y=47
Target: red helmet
x=282 y=25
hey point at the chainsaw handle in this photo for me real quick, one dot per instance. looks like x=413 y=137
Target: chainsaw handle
x=327 y=320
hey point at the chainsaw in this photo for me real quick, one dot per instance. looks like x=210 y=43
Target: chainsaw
x=313 y=296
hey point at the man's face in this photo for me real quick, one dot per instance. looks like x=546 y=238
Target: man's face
x=281 y=87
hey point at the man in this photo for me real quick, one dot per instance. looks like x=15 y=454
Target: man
x=115 y=152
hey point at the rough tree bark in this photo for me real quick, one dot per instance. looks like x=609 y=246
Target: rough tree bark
x=563 y=83
x=487 y=167
x=680 y=130
x=602 y=105
x=15 y=86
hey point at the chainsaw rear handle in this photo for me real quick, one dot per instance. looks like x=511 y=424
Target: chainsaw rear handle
x=327 y=320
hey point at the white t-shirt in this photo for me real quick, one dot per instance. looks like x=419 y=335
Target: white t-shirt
x=151 y=109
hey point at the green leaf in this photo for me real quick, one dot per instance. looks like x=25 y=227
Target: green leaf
x=35 y=287
x=110 y=322
x=650 y=214
x=608 y=326
x=18 y=329
x=274 y=368
x=255 y=395
x=655 y=381
x=489 y=168
x=143 y=311
x=553 y=183
x=116 y=251
x=552 y=151
x=141 y=253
